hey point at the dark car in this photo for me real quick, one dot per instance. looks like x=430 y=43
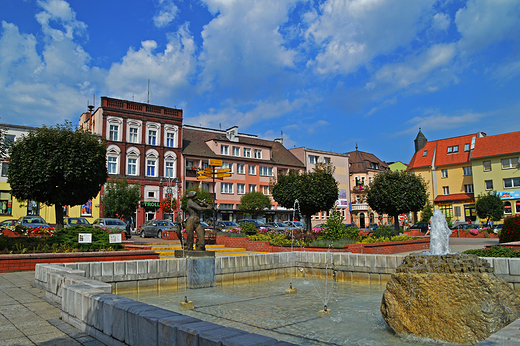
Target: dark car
x=75 y=221
x=295 y=224
x=257 y=223
x=155 y=228
x=422 y=226
x=6 y=223
x=226 y=226
x=113 y=223
x=32 y=221
x=348 y=225
x=278 y=226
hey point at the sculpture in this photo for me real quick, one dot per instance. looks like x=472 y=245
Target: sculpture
x=195 y=206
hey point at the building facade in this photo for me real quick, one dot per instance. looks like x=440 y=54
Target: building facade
x=312 y=157
x=496 y=168
x=363 y=168
x=254 y=164
x=446 y=167
x=144 y=144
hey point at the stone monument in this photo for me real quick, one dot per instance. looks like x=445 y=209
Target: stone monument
x=449 y=297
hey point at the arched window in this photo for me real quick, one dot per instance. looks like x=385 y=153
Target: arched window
x=114 y=128
x=507 y=207
x=170 y=136
x=132 y=161
x=113 y=153
x=152 y=163
x=153 y=134
x=170 y=164
x=134 y=131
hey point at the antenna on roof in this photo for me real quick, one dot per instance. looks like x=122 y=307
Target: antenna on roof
x=148 y=101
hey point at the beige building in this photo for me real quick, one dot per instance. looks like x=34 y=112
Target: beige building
x=310 y=158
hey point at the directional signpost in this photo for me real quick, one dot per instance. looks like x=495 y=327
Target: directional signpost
x=214 y=173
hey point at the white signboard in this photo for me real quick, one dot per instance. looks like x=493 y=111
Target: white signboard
x=114 y=238
x=85 y=238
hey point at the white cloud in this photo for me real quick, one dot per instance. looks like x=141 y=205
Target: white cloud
x=441 y=22
x=484 y=22
x=438 y=121
x=167 y=13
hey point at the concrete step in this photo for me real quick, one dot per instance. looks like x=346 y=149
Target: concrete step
x=217 y=250
x=221 y=254
x=178 y=247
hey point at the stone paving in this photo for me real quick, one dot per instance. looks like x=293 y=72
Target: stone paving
x=27 y=317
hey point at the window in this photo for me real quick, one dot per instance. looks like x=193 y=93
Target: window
x=444 y=173
x=258 y=154
x=33 y=208
x=226 y=188
x=5 y=167
x=266 y=171
x=170 y=139
x=453 y=149
x=466 y=147
x=132 y=137
x=112 y=133
x=236 y=151
x=489 y=184
x=326 y=160
x=152 y=137
x=241 y=189
x=424 y=153
x=112 y=164
x=169 y=169
x=150 y=167
x=228 y=165
x=8 y=140
x=467 y=170
x=313 y=159
x=151 y=194
x=265 y=189
x=507 y=207
x=510 y=163
x=252 y=188
x=252 y=170
x=468 y=188
x=517 y=204
x=487 y=166
x=241 y=168
x=446 y=190
x=131 y=168
x=447 y=210
x=5 y=203
x=511 y=182
x=224 y=150
x=247 y=152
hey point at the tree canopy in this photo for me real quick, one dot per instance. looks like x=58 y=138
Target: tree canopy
x=315 y=191
x=395 y=193
x=254 y=203
x=120 y=198
x=490 y=207
x=57 y=166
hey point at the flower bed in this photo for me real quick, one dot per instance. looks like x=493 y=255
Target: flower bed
x=475 y=233
x=12 y=231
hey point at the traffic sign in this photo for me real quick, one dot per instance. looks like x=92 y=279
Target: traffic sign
x=223 y=170
x=214 y=162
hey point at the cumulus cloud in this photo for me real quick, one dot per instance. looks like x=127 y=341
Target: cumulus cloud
x=167 y=12
x=433 y=120
x=441 y=22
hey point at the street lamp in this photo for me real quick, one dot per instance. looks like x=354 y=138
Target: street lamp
x=170 y=183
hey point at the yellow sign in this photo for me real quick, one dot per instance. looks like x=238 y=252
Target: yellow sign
x=222 y=175
x=223 y=170
x=209 y=177
x=214 y=162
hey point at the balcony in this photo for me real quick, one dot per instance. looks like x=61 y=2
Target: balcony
x=360 y=189
x=360 y=207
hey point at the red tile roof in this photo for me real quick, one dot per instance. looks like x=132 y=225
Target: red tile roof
x=442 y=158
x=454 y=197
x=506 y=143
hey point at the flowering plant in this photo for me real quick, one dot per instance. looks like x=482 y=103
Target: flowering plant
x=360 y=188
x=473 y=231
x=168 y=204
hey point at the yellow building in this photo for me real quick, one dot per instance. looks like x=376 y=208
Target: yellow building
x=11 y=208
x=446 y=167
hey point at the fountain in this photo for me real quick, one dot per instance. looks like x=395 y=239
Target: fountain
x=448 y=297
x=291 y=289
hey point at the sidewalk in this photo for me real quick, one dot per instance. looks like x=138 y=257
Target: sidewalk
x=27 y=317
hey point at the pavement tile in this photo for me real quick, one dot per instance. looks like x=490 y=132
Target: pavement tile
x=15 y=342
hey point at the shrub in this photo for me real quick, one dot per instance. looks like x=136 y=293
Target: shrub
x=331 y=243
x=335 y=228
x=495 y=251
x=510 y=229
x=249 y=228
x=373 y=239
x=385 y=232
x=69 y=236
x=353 y=233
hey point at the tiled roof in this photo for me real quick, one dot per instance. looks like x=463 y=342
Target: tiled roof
x=194 y=144
x=442 y=157
x=360 y=162
x=503 y=144
x=454 y=197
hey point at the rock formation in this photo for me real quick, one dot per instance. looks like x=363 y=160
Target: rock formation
x=452 y=298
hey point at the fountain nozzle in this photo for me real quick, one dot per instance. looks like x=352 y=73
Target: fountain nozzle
x=185 y=299
x=325 y=308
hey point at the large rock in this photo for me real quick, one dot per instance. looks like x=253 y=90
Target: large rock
x=453 y=298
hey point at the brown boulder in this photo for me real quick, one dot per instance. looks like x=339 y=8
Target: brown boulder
x=453 y=298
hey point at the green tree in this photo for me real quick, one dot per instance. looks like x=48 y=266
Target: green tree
x=254 y=203
x=57 y=166
x=315 y=191
x=490 y=207
x=335 y=227
x=120 y=198
x=427 y=212
x=395 y=193
x=202 y=194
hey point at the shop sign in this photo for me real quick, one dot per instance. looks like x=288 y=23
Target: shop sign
x=509 y=194
x=342 y=203
x=150 y=204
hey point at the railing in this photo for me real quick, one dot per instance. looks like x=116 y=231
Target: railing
x=145 y=108
x=360 y=206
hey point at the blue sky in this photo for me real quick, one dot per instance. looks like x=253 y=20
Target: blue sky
x=327 y=73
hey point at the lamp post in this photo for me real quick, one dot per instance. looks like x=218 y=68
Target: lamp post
x=170 y=183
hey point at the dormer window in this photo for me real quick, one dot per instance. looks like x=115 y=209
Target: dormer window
x=424 y=153
x=453 y=149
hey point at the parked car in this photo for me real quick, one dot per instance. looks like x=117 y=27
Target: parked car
x=207 y=228
x=348 y=225
x=295 y=224
x=226 y=226
x=278 y=225
x=6 y=223
x=155 y=228
x=32 y=221
x=465 y=226
x=372 y=227
x=113 y=223
x=258 y=223
x=422 y=226
x=75 y=221
x=497 y=228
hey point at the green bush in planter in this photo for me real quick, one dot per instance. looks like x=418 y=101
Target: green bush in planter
x=385 y=231
x=249 y=228
x=70 y=235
